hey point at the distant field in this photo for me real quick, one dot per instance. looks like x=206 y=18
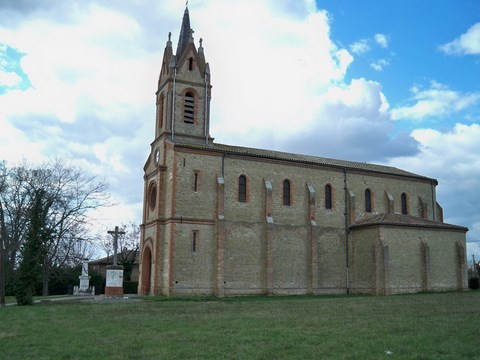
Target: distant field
x=422 y=326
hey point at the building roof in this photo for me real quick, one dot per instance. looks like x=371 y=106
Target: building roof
x=305 y=159
x=385 y=219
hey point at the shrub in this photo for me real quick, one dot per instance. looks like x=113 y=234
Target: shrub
x=62 y=278
x=474 y=283
x=97 y=280
x=130 y=287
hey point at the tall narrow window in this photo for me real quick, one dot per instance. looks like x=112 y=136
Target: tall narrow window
x=160 y=111
x=328 y=197
x=189 y=108
x=368 y=201
x=190 y=64
x=195 y=181
x=404 y=204
x=242 y=188
x=194 y=241
x=286 y=192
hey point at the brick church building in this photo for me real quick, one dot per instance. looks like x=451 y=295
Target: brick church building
x=228 y=220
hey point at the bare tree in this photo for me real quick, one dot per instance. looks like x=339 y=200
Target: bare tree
x=128 y=246
x=73 y=194
x=106 y=244
x=15 y=204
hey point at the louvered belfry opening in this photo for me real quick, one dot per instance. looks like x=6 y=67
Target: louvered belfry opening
x=189 y=108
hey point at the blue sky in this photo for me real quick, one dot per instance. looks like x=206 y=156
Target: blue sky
x=392 y=82
x=415 y=31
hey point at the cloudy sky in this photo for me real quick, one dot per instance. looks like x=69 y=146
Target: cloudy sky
x=396 y=84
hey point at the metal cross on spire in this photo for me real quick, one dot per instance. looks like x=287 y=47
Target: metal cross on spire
x=115 y=233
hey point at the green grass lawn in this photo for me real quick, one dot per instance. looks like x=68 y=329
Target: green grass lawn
x=422 y=326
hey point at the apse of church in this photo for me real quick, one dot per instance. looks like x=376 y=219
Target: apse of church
x=227 y=220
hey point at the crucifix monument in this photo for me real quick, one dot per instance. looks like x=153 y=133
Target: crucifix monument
x=114 y=286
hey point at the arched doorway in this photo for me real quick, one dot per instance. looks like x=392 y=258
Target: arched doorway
x=146 y=270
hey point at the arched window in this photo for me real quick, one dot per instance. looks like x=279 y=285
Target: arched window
x=286 y=192
x=189 y=108
x=404 y=204
x=242 y=188
x=368 y=201
x=328 y=197
x=152 y=199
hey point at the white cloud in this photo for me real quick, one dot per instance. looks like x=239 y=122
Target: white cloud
x=13 y=139
x=381 y=40
x=436 y=101
x=86 y=61
x=360 y=47
x=454 y=157
x=363 y=46
x=466 y=44
x=379 y=64
x=9 y=79
x=348 y=121
x=284 y=68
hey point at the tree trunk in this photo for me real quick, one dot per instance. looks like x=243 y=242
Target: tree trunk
x=45 y=276
x=45 y=285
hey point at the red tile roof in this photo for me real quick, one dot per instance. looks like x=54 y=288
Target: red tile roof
x=385 y=219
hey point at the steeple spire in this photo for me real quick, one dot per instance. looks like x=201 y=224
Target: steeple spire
x=184 y=91
x=185 y=32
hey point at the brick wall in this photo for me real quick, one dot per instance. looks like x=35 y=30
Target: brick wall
x=263 y=246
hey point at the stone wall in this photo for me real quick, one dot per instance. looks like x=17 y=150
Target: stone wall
x=400 y=259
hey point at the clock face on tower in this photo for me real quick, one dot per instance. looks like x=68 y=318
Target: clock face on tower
x=157 y=156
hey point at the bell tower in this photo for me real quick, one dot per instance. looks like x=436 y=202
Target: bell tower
x=182 y=116
x=184 y=91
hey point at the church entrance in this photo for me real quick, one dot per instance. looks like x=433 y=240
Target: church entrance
x=146 y=271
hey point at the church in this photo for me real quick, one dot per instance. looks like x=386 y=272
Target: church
x=227 y=220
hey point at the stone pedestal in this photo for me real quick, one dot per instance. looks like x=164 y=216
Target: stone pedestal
x=84 y=288
x=84 y=282
x=114 y=286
